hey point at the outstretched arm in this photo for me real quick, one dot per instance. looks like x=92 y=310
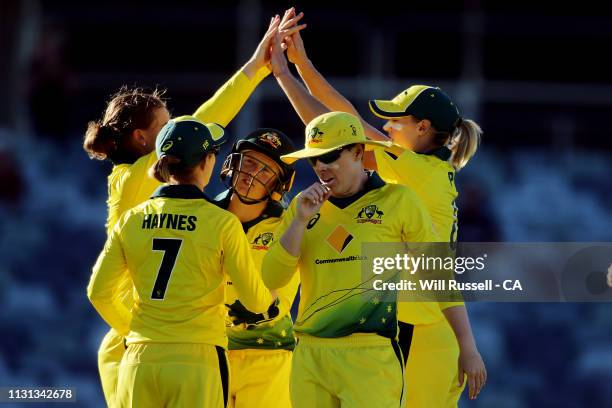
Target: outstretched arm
x=316 y=83
x=306 y=106
x=231 y=96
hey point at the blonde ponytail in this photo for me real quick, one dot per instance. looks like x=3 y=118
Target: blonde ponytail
x=164 y=168
x=167 y=167
x=464 y=143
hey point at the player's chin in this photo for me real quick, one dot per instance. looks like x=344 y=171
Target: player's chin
x=256 y=194
x=335 y=189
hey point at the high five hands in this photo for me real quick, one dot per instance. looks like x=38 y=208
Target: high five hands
x=286 y=27
x=287 y=38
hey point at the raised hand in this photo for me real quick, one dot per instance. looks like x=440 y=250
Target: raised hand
x=261 y=56
x=310 y=201
x=296 y=53
x=278 y=61
x=288 y=24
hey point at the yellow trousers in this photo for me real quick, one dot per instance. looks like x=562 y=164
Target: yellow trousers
x=109 y=357
x=260 y=378
x=432 y=367
x=173 y=375
x=362 y=370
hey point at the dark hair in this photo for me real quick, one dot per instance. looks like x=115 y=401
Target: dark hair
x=127 y=110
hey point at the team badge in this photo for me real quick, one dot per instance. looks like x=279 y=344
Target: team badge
x=262 y=241
x=271 y=139
x=314 y=136
x=370 y=213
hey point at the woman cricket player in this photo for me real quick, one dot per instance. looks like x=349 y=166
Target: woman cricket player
x=176 y=249
x=347 y=354
x=432 y=142
x=260 y=345
x=125 y=135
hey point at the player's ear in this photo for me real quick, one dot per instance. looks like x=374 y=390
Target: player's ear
x=423 y=126
x=358 y=152
x=208 y=161
x=139 y=137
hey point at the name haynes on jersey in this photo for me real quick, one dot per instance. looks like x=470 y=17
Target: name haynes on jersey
x=179 y=222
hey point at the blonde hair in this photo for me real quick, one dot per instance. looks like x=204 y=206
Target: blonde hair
x=165 y=167
x=464 y=142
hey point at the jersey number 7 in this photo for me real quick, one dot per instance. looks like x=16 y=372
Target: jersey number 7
x=171 y=249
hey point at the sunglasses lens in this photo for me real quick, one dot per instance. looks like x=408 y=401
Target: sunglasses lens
x=326 y=158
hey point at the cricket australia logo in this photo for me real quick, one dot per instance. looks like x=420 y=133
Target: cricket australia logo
x=314 y=136
x=262 y=241
x=271 y=139
x=370 y=213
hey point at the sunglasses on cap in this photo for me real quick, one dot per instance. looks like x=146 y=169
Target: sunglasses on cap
x=330 y=157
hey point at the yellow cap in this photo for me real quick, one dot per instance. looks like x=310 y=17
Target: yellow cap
x=331 y=131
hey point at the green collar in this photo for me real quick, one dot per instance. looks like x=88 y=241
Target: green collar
x=374 y=181
x=443 y=153
x=189 y=191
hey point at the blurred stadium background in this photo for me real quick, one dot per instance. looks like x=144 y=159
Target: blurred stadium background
x=535 y=76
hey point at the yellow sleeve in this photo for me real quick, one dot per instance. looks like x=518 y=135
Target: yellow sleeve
x=240 y=267
x=286 y=295
x=104 y=286
x=279 y=266
x=446 y=305
x=131 y=187
x=229 y=99
x=402 y=166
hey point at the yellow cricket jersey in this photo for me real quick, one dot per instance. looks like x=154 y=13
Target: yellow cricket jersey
x=432 y=178
x=278 y=332
x=336 y=300
x=175 y=249
x=129 y=183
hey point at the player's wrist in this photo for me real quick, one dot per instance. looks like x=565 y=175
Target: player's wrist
x=281 y=72
x=468 y=347
x=305 y=67
x=301 y=221
x=303 y=62
x=251 y=67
